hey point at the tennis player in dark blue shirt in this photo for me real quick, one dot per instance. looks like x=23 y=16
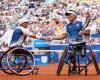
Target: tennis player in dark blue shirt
x=73 y=31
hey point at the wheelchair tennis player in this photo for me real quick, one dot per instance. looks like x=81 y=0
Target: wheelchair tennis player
x=74 y=31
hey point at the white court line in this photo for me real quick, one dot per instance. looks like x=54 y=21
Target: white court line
x=56 y=50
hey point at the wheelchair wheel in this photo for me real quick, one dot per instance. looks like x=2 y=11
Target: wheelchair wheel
x=22 y=61
x=94 y=61
x=62 y=61
x=95 y=64
x=3 y=63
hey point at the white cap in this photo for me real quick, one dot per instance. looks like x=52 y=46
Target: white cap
x=22 y=20
x=70 y=12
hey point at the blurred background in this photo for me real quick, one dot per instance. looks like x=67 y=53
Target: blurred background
x=46 y=18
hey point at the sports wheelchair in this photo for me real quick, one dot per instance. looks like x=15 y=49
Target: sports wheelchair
x=88 y=58
x=17 y=61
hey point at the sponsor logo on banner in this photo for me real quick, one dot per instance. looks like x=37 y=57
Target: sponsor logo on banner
x=44 y=59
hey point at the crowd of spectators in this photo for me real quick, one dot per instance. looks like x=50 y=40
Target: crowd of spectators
x=46 y=19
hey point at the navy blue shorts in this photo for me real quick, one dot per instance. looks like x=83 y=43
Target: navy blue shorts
x=80 y=48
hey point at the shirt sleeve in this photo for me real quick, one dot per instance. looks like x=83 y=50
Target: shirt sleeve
x=27 y=32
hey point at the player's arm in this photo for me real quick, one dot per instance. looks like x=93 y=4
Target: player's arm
x=37 y=37
x=30 y=34
x=85 y=30
x=59 y=36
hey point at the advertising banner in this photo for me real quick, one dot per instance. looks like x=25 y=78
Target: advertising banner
x=40 y=43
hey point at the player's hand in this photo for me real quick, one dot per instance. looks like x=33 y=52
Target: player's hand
x=85 y=33
x=42 y=38
x=81 y=32
x=48 y=38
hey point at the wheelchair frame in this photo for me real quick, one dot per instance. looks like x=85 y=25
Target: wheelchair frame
x=63 y=61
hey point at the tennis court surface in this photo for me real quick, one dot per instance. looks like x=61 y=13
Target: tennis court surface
x=48 y=72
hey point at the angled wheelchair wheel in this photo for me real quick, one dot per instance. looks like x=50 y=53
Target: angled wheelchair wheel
x=94 y=61
x=96 y=65
x=3 y=63
x=62 y=61
x=21 y=61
